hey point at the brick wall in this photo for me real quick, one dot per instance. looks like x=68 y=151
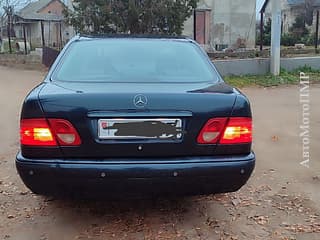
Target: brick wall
x=54 y=7
x=24 y=61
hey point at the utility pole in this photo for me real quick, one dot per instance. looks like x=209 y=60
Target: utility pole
x=317 y=32
x=275 y=37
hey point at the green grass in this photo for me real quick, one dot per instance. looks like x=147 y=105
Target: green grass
x=6 y=47
x=285 y=78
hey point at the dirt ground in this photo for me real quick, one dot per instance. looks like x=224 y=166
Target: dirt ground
x=281 y=200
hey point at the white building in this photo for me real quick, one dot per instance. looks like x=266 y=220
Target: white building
x=291 y=9
x=43 y=17
x=224 y=24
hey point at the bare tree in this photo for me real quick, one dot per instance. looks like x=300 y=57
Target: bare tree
x=14 y=3
x=9 y=7
x=310 y=7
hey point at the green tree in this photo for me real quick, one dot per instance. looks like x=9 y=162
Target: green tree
x=130 y=16
x=298 y=33
x=299 y=29
x=266 y=34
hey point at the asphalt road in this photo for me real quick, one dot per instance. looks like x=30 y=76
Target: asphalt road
x=281 y=200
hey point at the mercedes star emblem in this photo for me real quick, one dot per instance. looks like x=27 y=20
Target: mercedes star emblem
x=140 y=101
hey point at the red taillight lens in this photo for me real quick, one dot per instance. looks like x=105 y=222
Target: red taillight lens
x=40 y=132
x=36 y=132
x=238 y=130
x=66 y=134
x=210 y=133
x=235 y=130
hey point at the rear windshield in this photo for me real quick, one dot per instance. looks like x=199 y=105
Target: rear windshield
x=134 y=60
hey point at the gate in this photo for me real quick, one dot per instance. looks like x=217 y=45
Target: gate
x=49 y=55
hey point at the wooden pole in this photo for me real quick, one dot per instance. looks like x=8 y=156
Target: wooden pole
x=261 y=30
x=9 y=32
x=195 y=24
x=25 y=39
x=49 y=41
x=42 y=35
x=60 y=33
x=29 y=34
x=317 y=32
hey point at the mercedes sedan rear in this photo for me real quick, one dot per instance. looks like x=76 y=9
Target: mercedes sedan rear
x=135 y=116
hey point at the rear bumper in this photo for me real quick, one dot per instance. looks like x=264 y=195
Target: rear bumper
x=136 y=177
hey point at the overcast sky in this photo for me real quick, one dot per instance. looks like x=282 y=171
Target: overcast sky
x=259 y=5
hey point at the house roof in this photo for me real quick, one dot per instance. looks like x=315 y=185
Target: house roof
x=204 y=6
x=299 y=2
x=32 y=12
x=296 y=2
x=315 y=3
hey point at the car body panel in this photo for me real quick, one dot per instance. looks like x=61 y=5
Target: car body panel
x=132 y=178
x=111 y=163
x=76 y=105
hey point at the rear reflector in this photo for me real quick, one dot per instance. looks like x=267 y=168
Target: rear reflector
x=66 y=134
x=211 y=132
x=235 y=130
x=54 y=132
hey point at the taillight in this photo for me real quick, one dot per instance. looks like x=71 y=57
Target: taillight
x=235 y=130
x=54 y=132
x=238 y=130
x=66 y=134
x=36 y=132
x=210 y=133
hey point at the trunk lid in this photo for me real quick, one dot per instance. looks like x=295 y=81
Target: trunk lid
x=87 y=104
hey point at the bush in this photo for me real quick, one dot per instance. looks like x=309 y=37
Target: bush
x=288 y=40
x=298 y=34
x=291 y=40
x=310 y=40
